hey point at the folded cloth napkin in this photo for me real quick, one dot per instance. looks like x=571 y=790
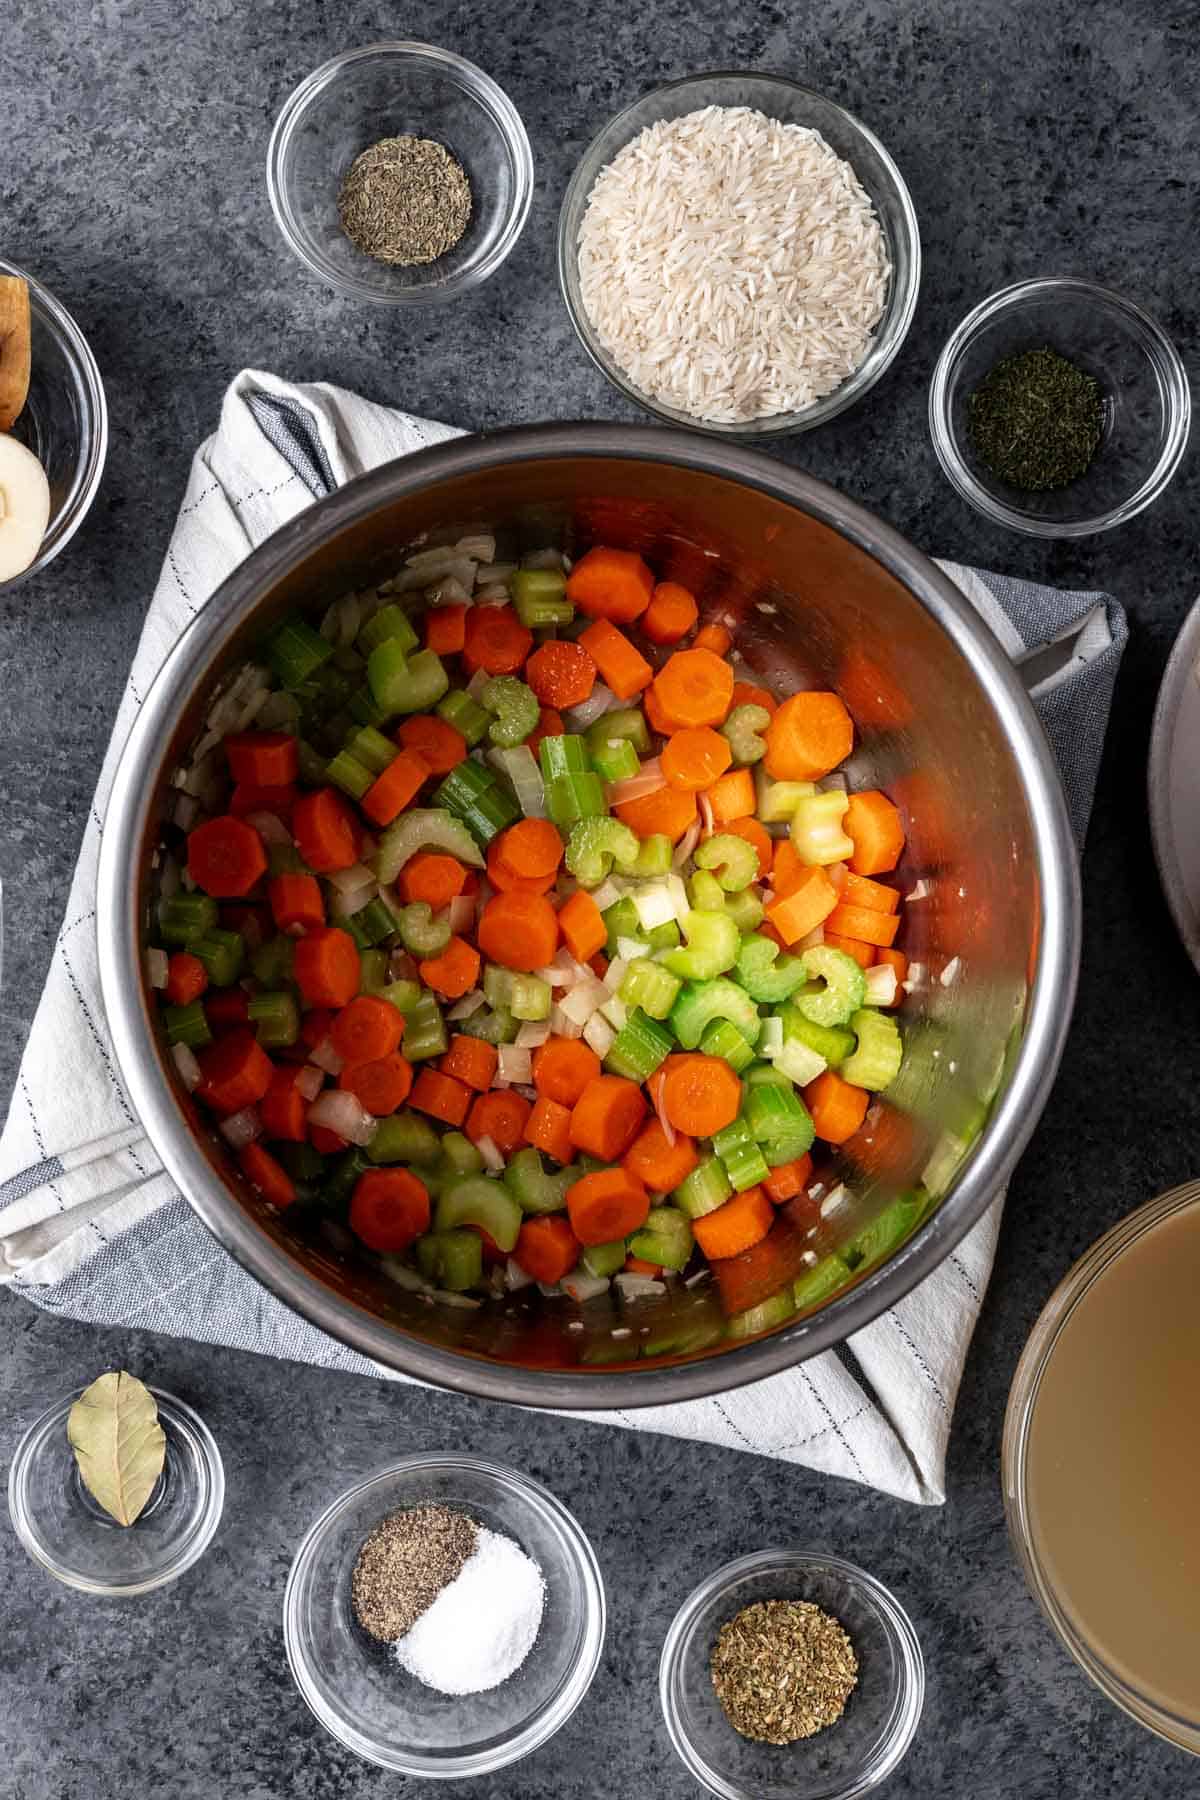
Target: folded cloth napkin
x=91 y=1225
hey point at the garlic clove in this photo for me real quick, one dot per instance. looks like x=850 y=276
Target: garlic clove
x=24 y=507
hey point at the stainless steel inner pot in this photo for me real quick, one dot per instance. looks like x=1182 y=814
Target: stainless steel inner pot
x=822 y=594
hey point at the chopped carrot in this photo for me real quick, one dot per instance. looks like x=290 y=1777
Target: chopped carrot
x=610 y=584
x=248 y=797
x=547 y=1249
x=471 y=1061
x=326 y=1142
x=235 y=1072
x=622 y=666
x=717 y=638
x=669 y=812
x=863 y=954
x=756 y=1273
x=391 y=792
x=282 y=1108
x=787 y=871
x=695 y=687
x=786 y=1179
x=874 y=826
x=550 y=724
x=495 y=640
x=432 y=877
x=561 y=674
x=266 y=1176
x=296 y=900
x=758 y=837
x=389 y=1209
x=696 y=757
x=445 y=629
x=876 y=896
x=745 y=693
x=895 y=959
x=660 y=1165
x=434 y=740
x=518 y=931
x=563 y=1068
x=583 y=929
x=365 y=1029
x=381 y=1085
x=453 y=973
x=671 y=614
x=606 y=1205
x=263 y=758
x=549 y=1128
x=441 y=1097
x=807 y=904
x=657 y=716
x=530 y=849
x=606 y=1118
x=742 y=1222
x=501 y=1116
x=809 y=735
x=325 y=966
x=505 y=882
x=838 y=1108
x=637 y=1265
x=861 y=923
x=187 y=978
x=225 y=857
x=701 y=1095
x=324 y=829
x=732 y=797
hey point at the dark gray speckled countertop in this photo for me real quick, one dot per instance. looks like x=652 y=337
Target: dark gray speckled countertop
x=1037 y=136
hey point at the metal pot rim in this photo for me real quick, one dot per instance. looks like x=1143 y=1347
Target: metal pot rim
x=1052 y=985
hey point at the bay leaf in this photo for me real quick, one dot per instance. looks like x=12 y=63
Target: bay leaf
x=119 y=1445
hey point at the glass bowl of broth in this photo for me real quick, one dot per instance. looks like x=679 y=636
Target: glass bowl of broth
x=1101 y=1464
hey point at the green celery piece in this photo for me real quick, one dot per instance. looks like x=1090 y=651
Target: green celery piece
x=620 y=921
x=712 y=947
x=426 y=828
x=745 y=909
x=765 y=973
x=705 y=892
x=531 y=998
x=406 y=684
x=776 y=1310
x=271 y=963
x=615 y=761
x=460 y=1154
x=338 y=1185
x=536 y=1190
x=563 y=754
x=458 y=709
x=487 y=1204
x=187 y=1025
x=778 y=800
x=183 y=917
x=816 y=830
x=363 y=708
x=820 y=1282
x=732 y=859
x=294 y=651
x=763 y=1074
x=653 y=859
x=515 y=709
x=594 y=845
x=425 y=1030
x=640 y=1047
x=798 y=1063
x=681 y=1338
x=571 y=798
x=276 y=1018
x=540 y=598
x=649 y=986
x=301 y=1161
x=702 y=1002
x=369 y=747
x=744 y=1162
x=451 y=1259
x=391 y=624
x=498 y=986
x=833 y=1042
x=221 y=952
x=490 y=1025
x=603 y=1260
x=403 y=995
x=726 y=1041
x=285 y=859
x=886 y=1232
x=706 y=1188
x=666 y=1238
x=405 y=1137
x=844 y=990
x=777 y=1116
x=743 y=729
x=420 y=932
x=625 y=722
x=377 y=921
x=878 y=1054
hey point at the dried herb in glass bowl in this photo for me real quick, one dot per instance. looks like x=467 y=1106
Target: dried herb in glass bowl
x=405 y=200
x=1035 y=420
x=783 y=1670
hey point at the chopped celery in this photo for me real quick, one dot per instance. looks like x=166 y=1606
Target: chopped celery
x=563 y=754
x=666 y=1238
x=531 y=998
x=466 y=715
x=338 y=1185
x=627 y=722
x=480 y=1201
x=844 y=988
x=498 y=986
x=885 y=1232
x=679 y=1337
x=663 y=937
x=271 y=963
x=570 y=798
x=354 y=926
x=733 y=860
x=364 y=709
x=798 y=1062
x=594 y=845
x=705 y=892
x=535 y=1189
x=426 y=828
x=777 y=1115
x=765 y=974
x=451 y=1259
x=403 y=995
x=312 y=767
x=540 y=597
x=640 y=1046
x=425 y=1030
x=514 y=708
x=371 y=749
x=620 y=921
x=302 y=1162
x=406 y=684
x=420 y=932
x=391 y=624
x=187 y=1025
x=649 y=986
x=875 y=1062
x=769 y=1313
x=819 y=1282
x=221 y=952
x=706 y=1188
x=603 y=1260
x=712 y=947
x=470 y=793
x=276 y=1019
x=816 y=829
x=745 y=909
x=404 y=1138
x=377 y=921
x=295 y=651
x=743 y=728
x=833 y=1042
x=285 y=859
x=460 y=1154
x=763 y=1074
x=726 y=1041
x=702 y=1002
x=778 y=800
x=490 y=1026
x=653 y=859
x=186 y=916
x=613 y=760
x=744 y=1162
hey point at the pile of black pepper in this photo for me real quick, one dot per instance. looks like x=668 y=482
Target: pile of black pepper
x=1035 y=420
x=404 y=1564
x=405 y=200
x=783 y=1670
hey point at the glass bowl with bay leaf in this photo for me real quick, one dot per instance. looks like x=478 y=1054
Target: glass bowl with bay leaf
x=400 y=174
x=791 y=1675
x=1059 y=408
x=117 y=1489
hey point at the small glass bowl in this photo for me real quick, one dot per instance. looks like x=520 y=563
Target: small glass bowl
x=781 y=99
x=64 y=422
x=388 y=90
x=852 y=1757
x=1147 y=403
x=66 y=1531
x=356 y=1687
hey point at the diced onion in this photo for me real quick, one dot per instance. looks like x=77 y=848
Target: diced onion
x=310 y=1081
x=584 y=1287
x=638 y=1287
x=631 y=949
x=405 y=1276
x=550 y=1290
x=706 y=815
x=836 y=782
x=835 y=1198
x=477 y=683
x=521 y=771
x=339 y=1110
x=686 y=844
x=949 y=974
x=495 y=574
x=648 y=780
x=599 y=1035
x=615 y=1011
x=478 y=544
x=606 y=895
x=583 y=1000
x=614 y=975
x=532 y=1035
x=402 y=966
x=189 y=1068
x=270 y=828
x=660 y=1109
x=515 y=1277
x=915 y=978
x=156 y=968
x=467 y=1006
x=327 y=1058
x=490 y=1153
x=772 y=1037
x=881 y=984
x=562 y=1026
x=560 y=973
x=920 y=892
x=542 y=559
x=679 y=893
x=168 y=878
x=462 y=913
x=588 y=711
x=493 y=594
x=184 y=812
x=449 y=591
x=344 y=906
x=655 y=905
x=811 y=939
x=346 y=881
x=514 y=1064
x=241 y=1128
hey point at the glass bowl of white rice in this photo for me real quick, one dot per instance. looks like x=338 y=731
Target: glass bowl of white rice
x=739 y=255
